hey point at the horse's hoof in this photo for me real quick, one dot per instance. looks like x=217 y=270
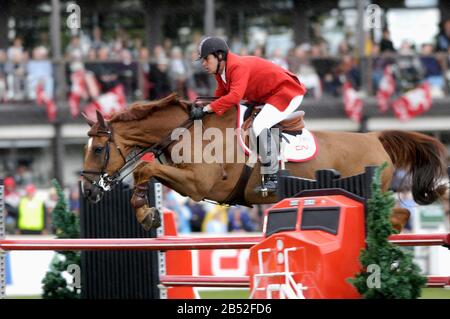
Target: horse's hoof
x=152 y=219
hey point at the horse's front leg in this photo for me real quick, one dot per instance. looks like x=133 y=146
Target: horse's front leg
x=148 y=217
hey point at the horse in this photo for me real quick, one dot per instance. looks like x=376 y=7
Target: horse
x=150 y=125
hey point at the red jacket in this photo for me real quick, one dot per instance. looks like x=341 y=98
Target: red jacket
x=256 y=80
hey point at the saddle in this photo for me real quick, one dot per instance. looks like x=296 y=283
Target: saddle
x=292 y=125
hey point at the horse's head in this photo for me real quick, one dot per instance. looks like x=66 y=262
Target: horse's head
x=103 y=158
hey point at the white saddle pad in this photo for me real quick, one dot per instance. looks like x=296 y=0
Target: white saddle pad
x=301 y=148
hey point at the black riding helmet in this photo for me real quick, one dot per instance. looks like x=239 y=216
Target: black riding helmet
x=215 y=46
x=212 y=45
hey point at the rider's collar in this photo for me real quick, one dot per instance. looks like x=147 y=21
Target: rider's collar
x=222 y=75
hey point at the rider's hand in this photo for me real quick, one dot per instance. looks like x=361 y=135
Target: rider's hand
x=197 y=113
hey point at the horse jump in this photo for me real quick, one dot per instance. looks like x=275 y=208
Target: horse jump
x=168 y=243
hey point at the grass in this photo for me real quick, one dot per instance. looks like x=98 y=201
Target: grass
x=427 y=293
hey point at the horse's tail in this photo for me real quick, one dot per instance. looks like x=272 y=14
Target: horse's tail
x=423 y=157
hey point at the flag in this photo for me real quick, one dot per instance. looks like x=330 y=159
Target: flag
x=386 y=89
x=77 y=91
x=42 y=98
x=352 y=102
x=108 y=103
x=413 y=102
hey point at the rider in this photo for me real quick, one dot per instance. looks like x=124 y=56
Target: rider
x=256 y=80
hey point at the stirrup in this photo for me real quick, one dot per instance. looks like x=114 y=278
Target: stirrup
x=268 y=185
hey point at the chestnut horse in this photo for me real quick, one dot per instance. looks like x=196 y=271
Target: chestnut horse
x=146 y=124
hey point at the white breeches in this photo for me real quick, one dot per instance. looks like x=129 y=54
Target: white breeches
x=270 y=115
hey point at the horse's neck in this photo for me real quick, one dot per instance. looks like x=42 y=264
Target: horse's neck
x=151 y=130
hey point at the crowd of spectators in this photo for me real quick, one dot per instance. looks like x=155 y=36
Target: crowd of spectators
x=28 y=209
x=209 y=218
x=168 y=67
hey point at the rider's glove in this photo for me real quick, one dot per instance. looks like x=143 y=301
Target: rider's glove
x=197 y=113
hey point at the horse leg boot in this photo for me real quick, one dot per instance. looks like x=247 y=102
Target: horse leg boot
x=268 y=151
x=148 y=217
x=399 y=218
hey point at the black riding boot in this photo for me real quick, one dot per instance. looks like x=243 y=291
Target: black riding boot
x=268 y=151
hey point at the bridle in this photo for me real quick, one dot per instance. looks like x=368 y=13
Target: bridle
x=106 y=182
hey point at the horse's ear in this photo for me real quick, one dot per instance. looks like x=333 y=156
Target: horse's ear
x=101 y=120
x=87 y=119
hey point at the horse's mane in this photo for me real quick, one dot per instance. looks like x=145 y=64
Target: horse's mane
x=142 y=109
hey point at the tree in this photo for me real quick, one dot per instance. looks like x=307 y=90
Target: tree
x=389 y=271
x=65 y=225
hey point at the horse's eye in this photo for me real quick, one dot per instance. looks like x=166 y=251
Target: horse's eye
x=98 y=150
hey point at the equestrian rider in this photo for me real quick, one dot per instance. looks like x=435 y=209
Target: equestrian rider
x=257 y=80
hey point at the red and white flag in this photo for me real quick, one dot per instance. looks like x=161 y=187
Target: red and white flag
x=108 y=103
x=413 y=102
x=78 y=91
x=353 y=104
x=386 y=89
x=42 y=98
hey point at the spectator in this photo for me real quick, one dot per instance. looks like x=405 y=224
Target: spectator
x=259 y=51
x=408 y=70
x=216 y=221
x=432 y=70
x=301 y=66
x=91 y=55
x=97 y=41
x=386 y=43
x=199 y=83
x=12 y=200
x=349 y=71
x=243 y=51
x=343 y=48
x=239 y=220
x=23 y=175
x=159 y=79
x=15 y=78
x=127 y=70
x=443 y=38
x=52 y=200
x=103 y=54
x=16 y=49
x=3 y=88
x=197 y=213
x=74 y=199
x=32 y=216
x=74 y=50
x=40 y=71
x=178 y=72
x=137 y=46
x=278 y=58
x=182 y=212
x=144 y=60
x=158 y=52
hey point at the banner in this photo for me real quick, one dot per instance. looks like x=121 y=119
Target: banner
x=413 y=102
x=353 y=104
x=386 y=89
